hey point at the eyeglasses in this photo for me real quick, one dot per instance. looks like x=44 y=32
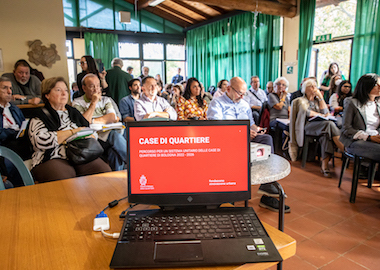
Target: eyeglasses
x=239 y=93
x=92 y=87
x=281 y=84
x=82 y=63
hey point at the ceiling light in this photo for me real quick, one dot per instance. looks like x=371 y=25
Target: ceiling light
x=155 y=3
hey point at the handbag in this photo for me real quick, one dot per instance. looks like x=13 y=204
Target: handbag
x=82 y=151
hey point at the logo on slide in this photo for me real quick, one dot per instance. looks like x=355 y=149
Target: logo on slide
x=143 y=180
x=143 y=183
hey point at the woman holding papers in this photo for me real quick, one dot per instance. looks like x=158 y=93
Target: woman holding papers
x=304 y=108
x=192 y=105
x=361 y=121
x=52 y=125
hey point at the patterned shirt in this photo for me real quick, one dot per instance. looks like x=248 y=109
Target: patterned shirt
x=43 y=140
x=103 y=107
x=189 y=108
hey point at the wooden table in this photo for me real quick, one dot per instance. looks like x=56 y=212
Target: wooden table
x=49 y=226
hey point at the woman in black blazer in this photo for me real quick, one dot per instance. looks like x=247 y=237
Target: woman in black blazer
x=361 y=120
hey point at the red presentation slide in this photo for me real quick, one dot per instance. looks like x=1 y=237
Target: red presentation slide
x=188 y=159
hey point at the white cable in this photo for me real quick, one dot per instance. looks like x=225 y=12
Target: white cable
x=110 y=235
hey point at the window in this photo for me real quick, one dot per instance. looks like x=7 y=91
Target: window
x=129 y=50
x=153 y=51
x=339 y=21
x=175 y=52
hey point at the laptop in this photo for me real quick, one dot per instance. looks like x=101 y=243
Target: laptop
x=188 y=169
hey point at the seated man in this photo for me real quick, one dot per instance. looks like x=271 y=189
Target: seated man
x=98 y=109
x=26 y=88
x=255 y=97
x=232 y=106
x=10 y=124
x=126 y=104
x=150 y=105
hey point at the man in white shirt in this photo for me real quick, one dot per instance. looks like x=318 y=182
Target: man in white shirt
x=98 y=109
x=255 y=97
x=150 y=105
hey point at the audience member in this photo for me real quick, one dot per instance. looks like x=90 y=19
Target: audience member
x=334 y=82
x=160 y=84
x=361 y=120
x=336 y=101
x=221 y=88
x=74 y=92
x=302 y=109
x=279 y=104
x=177 y=78
x=232 y=106
x=48 y=132
x=117 y=80
x=255 y=98
x=325 y=86
x=150 y=105
x=167 y=91
x=269 y=88
x=177 y=92
x=130 y=70
x=192 y=106
x=205 y=95
x=298 y=93
x=10 y=124
x=88 y=65
x=127 y=103
x=98 y=109
x=26 y=88
x=144 y=73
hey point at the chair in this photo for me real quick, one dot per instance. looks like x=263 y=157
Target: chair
x=355 y=175
x=19 y=164
x=309 y=139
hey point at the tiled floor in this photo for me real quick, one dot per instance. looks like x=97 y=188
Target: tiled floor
x=331 y=232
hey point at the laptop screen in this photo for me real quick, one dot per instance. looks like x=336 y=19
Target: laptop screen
x=178 y=163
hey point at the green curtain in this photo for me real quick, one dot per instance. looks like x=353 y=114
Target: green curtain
x=233 y=47
x=307 y=13
x=102 y=46
x=366 y=46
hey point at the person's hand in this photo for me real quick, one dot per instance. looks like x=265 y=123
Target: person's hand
x=17 y=96
x=375 y=138
x=34 y=100
x=283 y=95
x=96 y=98
x=253 y=134
x=102 y=74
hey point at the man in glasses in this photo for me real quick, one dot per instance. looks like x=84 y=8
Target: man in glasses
x=232 y=106
x=26 y=87
x=255 y=97
x=98 y=109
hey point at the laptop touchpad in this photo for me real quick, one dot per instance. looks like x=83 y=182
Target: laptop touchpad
x=178 y=251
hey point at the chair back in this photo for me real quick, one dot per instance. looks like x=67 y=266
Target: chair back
x=19 y=164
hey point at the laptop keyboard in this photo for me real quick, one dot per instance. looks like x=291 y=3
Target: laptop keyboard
x=166 y=227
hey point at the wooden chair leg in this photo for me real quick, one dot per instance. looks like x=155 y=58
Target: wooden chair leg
x=305 y=150
x=371 y=173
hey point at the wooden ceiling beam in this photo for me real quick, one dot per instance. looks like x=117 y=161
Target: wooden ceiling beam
x=177 y=13
x=218 y=9
x=167 y=16
x=193 y=9
x=290 y=2
x=264 y=6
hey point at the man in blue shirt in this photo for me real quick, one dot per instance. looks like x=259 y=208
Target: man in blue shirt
x=126 y=103
x=233 y=106
x=177 y=78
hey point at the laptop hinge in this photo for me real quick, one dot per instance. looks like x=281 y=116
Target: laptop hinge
x=193 y=207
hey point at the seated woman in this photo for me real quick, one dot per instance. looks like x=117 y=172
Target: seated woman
x=176 y=93
x=192 y=105
x=279 y=104
x=279 y=107
x=336 y=101
x=361 y=121
x=48 y=132
x=222 y=88
x=302 y=109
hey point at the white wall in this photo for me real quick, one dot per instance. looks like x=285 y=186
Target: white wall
x=26 y=20
x=290 y=51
